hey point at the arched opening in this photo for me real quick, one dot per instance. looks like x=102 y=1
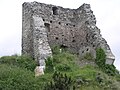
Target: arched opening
x=55 y=10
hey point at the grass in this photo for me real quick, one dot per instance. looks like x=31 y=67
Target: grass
x=17 y=73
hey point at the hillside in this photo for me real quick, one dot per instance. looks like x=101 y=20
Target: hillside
x=17 y=73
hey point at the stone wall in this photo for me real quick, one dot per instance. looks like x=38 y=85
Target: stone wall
x=74 y=29
x=41 y=46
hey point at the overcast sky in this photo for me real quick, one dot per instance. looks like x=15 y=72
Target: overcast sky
x=107 y=13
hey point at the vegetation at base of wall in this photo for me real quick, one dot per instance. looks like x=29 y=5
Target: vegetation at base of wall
x=55 y=49
x=16 y=75
x=49 y=67
x=19 y=61
x=88 y=56
x=110 y=70
x=61 y=60
x=15 y=78
x=100 y=61
x=89 y=77
x=100 y=57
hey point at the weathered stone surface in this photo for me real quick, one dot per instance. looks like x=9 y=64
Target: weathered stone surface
x=84 y=50
x=46 y=25
x=41 y=47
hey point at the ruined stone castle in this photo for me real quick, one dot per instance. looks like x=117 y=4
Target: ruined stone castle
x=45 y=25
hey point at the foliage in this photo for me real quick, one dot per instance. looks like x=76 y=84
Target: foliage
x=63 y=60
x=60 y=82
x=55 y=49
x=100 y=61
x=118 y=77
x=19 y=61
x=16 y=73
x=110 y=70
x=49 y=65
x=63 y=67
x=88 y=56
x=15 y=78
x=100 y=57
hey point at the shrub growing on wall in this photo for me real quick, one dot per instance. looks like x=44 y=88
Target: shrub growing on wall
x=100 y=57
x=100 y=61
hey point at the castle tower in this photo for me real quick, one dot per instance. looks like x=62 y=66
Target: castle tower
x=45 y=25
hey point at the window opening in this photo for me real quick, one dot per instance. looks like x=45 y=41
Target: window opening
x=56 y=38
x=87 y=49
x=55 y=10
x=59 y=23
x=50 y=21
x=43 y=19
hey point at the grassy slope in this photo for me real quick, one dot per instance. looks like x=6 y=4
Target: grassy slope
x=17 y=73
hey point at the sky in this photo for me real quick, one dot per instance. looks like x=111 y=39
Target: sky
x=107 y=13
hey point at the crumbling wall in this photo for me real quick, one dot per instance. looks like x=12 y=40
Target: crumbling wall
x=74 y=29
x=41 y=46
x=34 y=36
x=27 y=37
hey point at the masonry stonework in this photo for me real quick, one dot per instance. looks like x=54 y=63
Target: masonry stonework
x=45 y=25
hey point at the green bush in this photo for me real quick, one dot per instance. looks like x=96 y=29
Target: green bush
x=60 y=82
x=118 y=77
x=19 y=61
x=49 y=67
x=100 y=61
x=16 y=73
x=88 y=56
x=55 y=49
x=110 y=70
x=11 y=60
x=63 y=67
x=15 y=78
x=100 y=57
